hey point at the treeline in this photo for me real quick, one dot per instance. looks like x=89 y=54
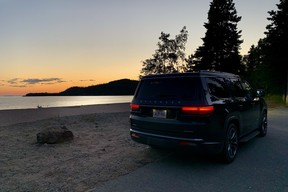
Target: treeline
x=118 y=87
x=265 y=66
x=267 y=62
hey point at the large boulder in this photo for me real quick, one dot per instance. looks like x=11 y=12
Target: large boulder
x=53 y=135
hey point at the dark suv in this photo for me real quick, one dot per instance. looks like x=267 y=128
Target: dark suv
x=206 y=110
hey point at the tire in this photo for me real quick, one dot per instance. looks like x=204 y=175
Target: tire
x=231 y=144
x=263 y=126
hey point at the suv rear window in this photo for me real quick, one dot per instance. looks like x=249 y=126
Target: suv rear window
x=184 y=88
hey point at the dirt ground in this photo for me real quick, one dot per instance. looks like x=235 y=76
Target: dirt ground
x=101 y=150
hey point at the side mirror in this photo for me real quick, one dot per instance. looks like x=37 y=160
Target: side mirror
x=260 y=93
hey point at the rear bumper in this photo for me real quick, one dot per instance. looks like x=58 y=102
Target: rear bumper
x=176 y=142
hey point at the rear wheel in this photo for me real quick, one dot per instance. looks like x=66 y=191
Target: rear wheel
x=231 y=144
x=263 y=126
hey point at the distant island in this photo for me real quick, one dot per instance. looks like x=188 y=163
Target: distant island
x=118 y=87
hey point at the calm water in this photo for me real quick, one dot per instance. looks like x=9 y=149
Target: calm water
x=19 y=102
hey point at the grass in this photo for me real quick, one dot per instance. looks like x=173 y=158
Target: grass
x=275 y=101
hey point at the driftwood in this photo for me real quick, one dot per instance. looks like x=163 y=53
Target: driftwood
x=53 y=135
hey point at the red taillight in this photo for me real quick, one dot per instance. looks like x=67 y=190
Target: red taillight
x=134 y=106
x=135 y=135
x=201 y=110
x=185 y=143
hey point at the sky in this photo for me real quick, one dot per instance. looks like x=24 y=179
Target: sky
x=51 y=45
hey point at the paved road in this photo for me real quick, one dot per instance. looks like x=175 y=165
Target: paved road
x=261 y=165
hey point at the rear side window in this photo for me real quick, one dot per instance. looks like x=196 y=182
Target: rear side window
x=237 y=88
x=184 y=88
x=217 y=87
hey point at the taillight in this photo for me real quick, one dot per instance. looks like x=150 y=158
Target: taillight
x=134 y=107
x=199 y=110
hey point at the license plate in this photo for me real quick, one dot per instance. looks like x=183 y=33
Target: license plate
x=159 y=113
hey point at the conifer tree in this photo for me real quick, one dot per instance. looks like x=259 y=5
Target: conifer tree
x=221 y=44
x=277 y=38
x=257 y=69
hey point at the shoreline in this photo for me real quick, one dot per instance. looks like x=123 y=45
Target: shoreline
x=17 y=102
x=14 y=116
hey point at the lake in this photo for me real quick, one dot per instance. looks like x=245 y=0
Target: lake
x=20 y=102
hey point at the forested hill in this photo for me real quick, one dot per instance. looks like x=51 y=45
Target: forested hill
x=118 y=87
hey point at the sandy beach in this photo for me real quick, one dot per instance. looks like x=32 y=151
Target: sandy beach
x=8 y=117
x=100 y=151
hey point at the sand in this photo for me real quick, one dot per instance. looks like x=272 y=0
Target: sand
x=101 y=150
x=8 y=117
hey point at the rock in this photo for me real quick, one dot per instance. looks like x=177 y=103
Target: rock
x=53 y=135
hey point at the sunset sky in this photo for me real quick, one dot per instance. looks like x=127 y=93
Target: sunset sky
x=51 y=45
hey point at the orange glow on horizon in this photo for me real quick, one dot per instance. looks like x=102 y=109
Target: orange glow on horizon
x=54 y=87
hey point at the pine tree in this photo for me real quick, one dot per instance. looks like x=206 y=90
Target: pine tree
x=277 y=38
x=221 y=44
x=169 y=57
x=257 y=68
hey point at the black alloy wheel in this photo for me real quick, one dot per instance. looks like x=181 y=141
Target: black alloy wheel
x=231 y=144
x=263 y=126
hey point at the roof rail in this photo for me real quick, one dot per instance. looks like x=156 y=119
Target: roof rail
x=217 y=72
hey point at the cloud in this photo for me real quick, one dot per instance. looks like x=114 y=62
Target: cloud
x=19 y=86
x=17 y=82
x=82 y=80
x=43 y=81
x=13 y=81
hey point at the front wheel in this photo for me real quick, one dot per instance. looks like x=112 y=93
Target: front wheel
x=231 y=144
x=263 y=126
